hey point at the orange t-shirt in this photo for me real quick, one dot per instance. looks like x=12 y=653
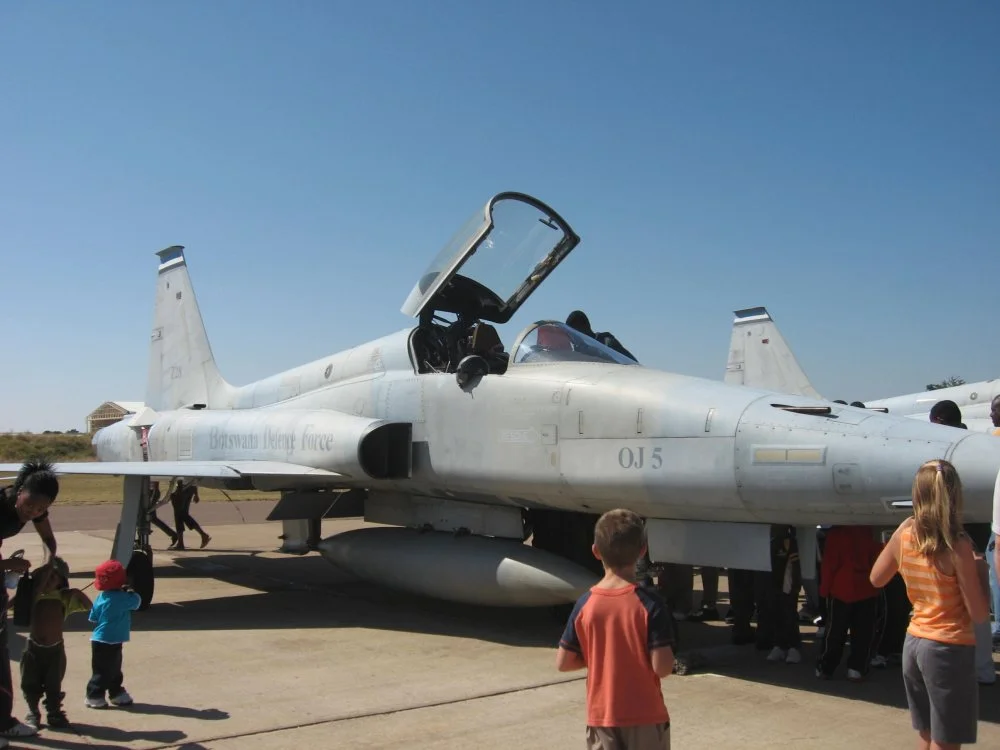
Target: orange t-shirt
x=614 y=630
x=939 y=612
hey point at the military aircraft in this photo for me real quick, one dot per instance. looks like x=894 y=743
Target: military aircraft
x=760 y=357
x=459 y=449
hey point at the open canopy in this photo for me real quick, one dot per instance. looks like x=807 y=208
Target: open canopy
x=503 y=252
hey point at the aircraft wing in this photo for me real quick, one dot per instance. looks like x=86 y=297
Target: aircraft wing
x=193 y=469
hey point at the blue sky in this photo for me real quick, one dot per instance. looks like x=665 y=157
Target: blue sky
x=836 y=162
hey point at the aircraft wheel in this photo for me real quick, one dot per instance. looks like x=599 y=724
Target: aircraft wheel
x=140 y=576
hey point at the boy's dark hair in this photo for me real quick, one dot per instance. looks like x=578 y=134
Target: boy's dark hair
x=57 y=567
x=946 y=412
x=620 y=536
x=37 y=478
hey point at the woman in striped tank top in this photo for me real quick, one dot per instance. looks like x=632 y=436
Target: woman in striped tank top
x=937 y=562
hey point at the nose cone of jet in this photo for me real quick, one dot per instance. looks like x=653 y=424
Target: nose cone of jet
x=977 y=459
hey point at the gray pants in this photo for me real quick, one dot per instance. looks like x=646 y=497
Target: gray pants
x=644 y=737
x=941 y=689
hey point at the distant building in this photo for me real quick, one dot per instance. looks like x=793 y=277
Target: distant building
x=110 y=412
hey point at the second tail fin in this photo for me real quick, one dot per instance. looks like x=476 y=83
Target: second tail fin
x=760 y=358
x=182 y=370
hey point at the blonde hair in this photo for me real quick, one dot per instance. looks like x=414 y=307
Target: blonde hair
x=937 y=507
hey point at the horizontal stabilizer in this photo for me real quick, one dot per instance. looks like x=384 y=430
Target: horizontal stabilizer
x=193 y=469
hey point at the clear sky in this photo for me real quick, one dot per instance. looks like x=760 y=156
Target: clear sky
x=836 y=162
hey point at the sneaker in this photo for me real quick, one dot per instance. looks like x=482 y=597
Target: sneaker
x=20 y=729
x=854 y=675
x=705 y=614
x=821 y=675
x=777 y=654
x=96 y=702
x=880 y=662
x=33 y=719
x=122 y=699
x=57 y=720
x=794 y=656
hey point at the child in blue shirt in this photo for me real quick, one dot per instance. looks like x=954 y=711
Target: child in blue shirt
x=112 y=615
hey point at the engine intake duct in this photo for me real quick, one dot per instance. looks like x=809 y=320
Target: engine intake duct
x=385 y=452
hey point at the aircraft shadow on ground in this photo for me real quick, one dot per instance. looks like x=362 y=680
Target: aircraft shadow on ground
x=882 y=686
x=304 y=592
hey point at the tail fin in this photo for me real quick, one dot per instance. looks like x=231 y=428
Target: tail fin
x=182 y=369
x=760 y=358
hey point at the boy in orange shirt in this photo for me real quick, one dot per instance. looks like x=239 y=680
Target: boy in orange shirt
x=623 y=635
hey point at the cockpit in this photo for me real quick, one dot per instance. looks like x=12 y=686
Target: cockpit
x=552 y=341
x=482 y=276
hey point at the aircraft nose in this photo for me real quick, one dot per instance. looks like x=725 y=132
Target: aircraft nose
x=977 y=459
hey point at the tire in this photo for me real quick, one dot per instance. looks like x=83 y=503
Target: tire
x=141 y=578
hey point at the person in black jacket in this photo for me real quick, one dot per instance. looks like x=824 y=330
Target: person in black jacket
x=579 y=321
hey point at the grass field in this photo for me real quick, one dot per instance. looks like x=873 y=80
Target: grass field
x=90 y=490
x=19 y=446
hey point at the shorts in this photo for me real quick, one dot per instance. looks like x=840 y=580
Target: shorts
x=642 y=737
x=941 y=689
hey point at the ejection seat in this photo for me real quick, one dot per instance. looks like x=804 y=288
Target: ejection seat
x=487 y=344
x=551 y=337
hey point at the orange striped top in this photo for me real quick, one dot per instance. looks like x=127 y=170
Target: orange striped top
x=939 y=612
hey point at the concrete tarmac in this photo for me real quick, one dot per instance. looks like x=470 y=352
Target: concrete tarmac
x=247 y=648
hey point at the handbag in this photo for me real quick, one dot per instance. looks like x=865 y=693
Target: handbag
x=24 y=599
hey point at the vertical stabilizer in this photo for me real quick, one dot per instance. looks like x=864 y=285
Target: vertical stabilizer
x=182 y=369
x=760 y=358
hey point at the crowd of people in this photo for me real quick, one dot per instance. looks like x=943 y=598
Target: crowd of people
x=921 y=597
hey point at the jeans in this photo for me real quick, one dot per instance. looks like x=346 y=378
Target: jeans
x=106 y=662
x=42 y=671
x=994 y=584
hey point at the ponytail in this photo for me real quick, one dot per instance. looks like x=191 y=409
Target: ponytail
x=937 y=507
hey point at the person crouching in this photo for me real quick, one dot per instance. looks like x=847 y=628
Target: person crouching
x=43 y=663
x=112 y=615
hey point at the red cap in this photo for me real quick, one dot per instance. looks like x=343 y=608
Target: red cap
x=109 y=576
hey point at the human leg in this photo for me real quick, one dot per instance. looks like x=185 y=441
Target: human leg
x=9 y=726
x=55 y=671
x=994 y=585
x=32 y=683
x=862 y=627
x=837 y=623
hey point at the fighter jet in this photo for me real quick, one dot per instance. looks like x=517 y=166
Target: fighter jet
x=459 y=449
x=760 y=357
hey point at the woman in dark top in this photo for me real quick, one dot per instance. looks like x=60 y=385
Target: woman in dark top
x=34 y=490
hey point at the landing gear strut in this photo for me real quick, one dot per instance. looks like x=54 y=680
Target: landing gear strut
x=131 y=546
